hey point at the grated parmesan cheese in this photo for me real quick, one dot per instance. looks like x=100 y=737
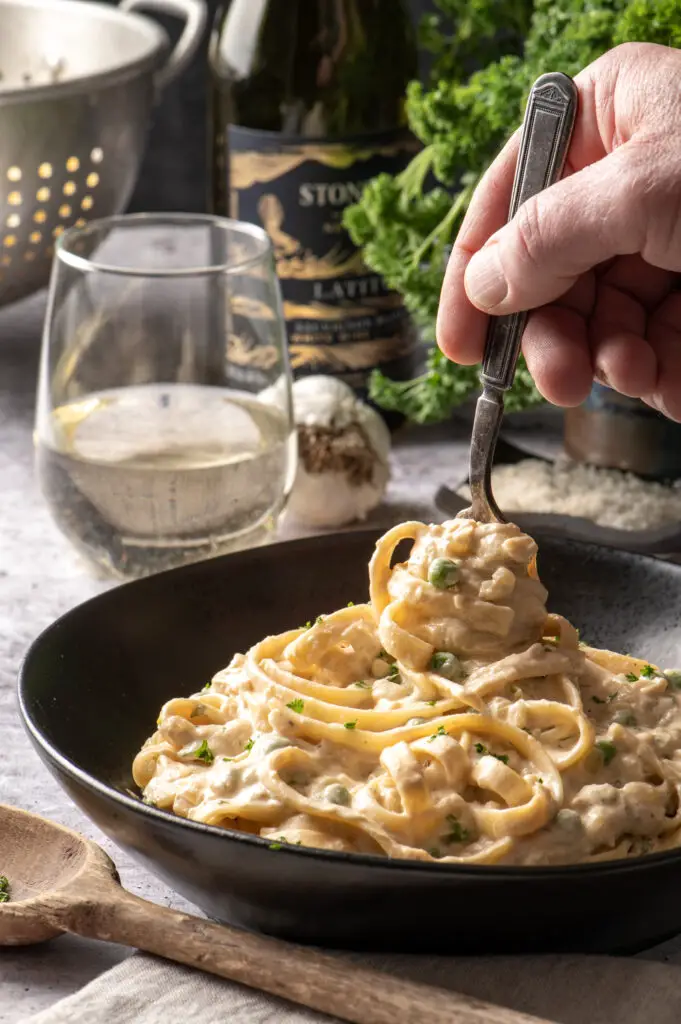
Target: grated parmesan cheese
x=608 y=497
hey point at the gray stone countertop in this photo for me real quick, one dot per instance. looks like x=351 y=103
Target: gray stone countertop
x=41 y=577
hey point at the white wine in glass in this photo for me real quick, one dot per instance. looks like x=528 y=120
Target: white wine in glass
x=156 y=443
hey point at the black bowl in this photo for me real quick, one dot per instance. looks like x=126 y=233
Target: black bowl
x=92 y=684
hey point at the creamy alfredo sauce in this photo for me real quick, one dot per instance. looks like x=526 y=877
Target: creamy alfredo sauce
x=450 y=719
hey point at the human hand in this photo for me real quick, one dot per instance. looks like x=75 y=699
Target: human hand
x=597 y=256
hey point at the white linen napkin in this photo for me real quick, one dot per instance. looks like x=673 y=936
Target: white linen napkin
x=562 y=989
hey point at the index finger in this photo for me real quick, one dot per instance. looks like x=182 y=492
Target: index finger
x=461 y=328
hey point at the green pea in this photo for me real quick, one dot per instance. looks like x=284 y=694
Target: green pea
x=447 y=665
x=443 y=573
x=569 y=820
x=268 y=746
x=624 y=717
x=673 y=677
x=337 y=794
x=608 y=750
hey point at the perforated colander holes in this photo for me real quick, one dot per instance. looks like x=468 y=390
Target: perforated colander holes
x=44 y=194
x=35 y=240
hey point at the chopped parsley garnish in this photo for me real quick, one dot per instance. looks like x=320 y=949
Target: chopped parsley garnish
x=204 y=753
x=597 y=700
x=431 y=703
x=296 y=705
x=648 y=671
x=249 y=745
x=200 y=753
x=206 y=687
x=608 y=750
x=613 y=696
x=440 y=732
x=4 y=889
x=457 y=833
x=384 y=656
x=275 y=846
x=227 y=758
x=351 y=604
x=631 y=677
x=482 y=749
x=394 y=674
x=363 y=685
x=350 y=725
x=308 y=625
x=318 y=621
x=198 y=711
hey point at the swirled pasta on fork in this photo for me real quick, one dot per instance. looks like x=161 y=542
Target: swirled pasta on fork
x=450 y=719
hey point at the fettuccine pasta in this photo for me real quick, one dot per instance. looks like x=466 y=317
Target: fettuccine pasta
x=450 y=719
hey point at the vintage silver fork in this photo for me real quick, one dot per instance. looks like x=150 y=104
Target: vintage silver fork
x=546 y=133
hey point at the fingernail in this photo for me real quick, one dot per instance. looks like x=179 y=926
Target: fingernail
x=661 y=406
x=485 y=282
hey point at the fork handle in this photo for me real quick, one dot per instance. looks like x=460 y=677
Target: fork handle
x=546 y=133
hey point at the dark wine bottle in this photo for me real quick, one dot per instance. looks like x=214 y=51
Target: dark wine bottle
x=307 y=106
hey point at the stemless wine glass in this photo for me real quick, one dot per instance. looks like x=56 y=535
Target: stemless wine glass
x=164 y=428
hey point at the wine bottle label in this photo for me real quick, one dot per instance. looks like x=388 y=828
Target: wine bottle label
x=340 y=317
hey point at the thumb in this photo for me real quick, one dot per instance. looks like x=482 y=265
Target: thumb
x=559 y=234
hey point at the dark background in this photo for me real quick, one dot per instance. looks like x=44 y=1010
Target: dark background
x=174 y=171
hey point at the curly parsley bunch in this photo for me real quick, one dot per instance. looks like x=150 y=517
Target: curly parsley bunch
x=463 y=117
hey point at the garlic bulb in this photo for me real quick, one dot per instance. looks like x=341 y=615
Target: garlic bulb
x=343 y=448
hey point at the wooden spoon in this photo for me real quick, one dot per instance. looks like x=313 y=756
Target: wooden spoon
x=62 y=882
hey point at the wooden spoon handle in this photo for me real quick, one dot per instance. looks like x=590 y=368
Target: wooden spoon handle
x=302 y=975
